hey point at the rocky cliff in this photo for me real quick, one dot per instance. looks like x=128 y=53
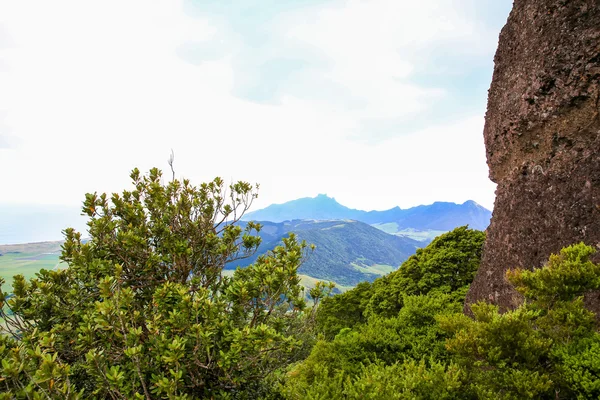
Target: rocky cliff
x=542 y=137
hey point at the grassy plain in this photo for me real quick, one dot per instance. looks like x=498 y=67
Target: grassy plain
x=376 y=269
x=422 y=236
x=308 y=282
x=27 y=259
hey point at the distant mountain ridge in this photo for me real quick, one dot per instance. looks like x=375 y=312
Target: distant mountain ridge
x=442 y=216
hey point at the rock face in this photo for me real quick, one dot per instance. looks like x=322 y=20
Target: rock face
x=542 y=137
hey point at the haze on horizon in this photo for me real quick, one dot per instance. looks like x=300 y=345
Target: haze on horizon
x=377 y=104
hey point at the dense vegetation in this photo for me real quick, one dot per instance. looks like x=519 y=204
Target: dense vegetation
x=144 y=311
x=548 y=348
x=447 y=266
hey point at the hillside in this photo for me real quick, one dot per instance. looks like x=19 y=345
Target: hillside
x=439 y=216
x=347 y=252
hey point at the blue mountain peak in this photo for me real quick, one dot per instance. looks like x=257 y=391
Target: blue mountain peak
x=437 y=216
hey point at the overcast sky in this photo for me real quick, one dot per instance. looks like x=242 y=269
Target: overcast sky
x=378 y=103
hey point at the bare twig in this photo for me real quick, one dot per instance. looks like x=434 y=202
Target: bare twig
x=170 y=161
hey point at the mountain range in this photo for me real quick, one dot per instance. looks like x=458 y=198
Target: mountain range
x=439 y=216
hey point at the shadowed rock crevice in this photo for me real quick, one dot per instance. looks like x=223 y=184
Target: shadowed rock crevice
x=542 y=137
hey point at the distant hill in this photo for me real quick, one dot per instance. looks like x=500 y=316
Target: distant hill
x=439 y=216
x=352 y=245
x=347 y=252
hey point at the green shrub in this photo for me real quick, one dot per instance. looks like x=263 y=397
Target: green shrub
x=144 y=310
x=365 y=339
x=446 y=266
x=545 y=349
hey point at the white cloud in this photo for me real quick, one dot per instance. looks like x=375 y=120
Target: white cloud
x=375 y=47
x=91 y=90
x=94 y=89
x=440 y=163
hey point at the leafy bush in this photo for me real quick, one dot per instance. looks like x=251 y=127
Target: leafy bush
x=548 y=348
x=545 y=349
x=407 y=381
x=344 y=310
x=412 y=335
x=144 y=311
x=401 y=381
x=366 y=342
x=446 y=266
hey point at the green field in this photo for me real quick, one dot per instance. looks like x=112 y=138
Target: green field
x=27 y=259
x=309 y=282
x=422 y=236
x=376 y=269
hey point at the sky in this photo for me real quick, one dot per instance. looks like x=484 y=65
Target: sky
x=378 y=103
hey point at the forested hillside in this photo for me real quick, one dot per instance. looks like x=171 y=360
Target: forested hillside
x=346 y=252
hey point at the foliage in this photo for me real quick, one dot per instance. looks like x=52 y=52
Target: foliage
x=401 y=381
x=344 y=310
x=144 y=311
x=364 y=346
x=579 y=367
x=546 y=348
x=33 y=371
x=565 y=276
x=446 y=266
x=411 y=335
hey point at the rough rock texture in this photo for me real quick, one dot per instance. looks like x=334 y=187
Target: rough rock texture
x=542 y=137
